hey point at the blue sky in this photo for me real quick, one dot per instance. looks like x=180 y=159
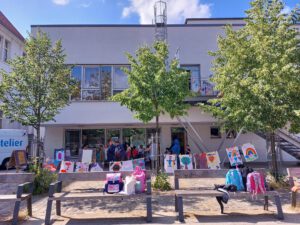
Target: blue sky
x=23 y=13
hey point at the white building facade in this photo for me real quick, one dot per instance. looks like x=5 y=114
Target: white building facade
x=98 y=53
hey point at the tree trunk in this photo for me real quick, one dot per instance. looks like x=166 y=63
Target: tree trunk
x=38 y=134
x=274 y=156
x=158 y=158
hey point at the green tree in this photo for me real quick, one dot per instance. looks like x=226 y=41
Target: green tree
x=38 y=86
x=155 y=86
x=257 y=71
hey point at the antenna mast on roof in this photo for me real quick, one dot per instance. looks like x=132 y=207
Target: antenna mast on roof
x=160 y=20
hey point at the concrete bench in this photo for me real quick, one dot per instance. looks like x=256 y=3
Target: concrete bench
x=209 y=192
x=294 y=175
x=24 y=180
x=56 y=194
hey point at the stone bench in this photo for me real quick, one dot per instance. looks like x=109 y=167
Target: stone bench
x=294 y=176
x=22 y=194
x=209 y=192
x=56 y=193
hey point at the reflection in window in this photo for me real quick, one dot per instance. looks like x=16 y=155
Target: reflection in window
x=120 y=79
x=194 y=78
x=72 y=141
x=93 y=137
x=134 y=136
x=76 y=74
x=113 y=134
x=91 y=77
x=105 y=75
x=6 y=51
x=91 y=95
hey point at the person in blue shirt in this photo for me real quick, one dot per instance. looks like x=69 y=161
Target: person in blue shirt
x=175 y=148
x=111 y=152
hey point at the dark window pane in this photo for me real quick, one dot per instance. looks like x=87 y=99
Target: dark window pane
x=215 y=132
x=93 y=138
x=134 y=136
x=72 y=141
x=105 y=82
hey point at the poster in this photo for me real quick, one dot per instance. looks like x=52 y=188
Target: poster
x=59 y=155
x=115 y=166
x=186 y=162
x=127 y=165
x=170 y=163
x=87 y=155
x=200 y=160
x=95 y=167
x=213 y=160
x=250 y=153
x=139 y=162
x=81 y=167
x=66 y=167
x=234 y=156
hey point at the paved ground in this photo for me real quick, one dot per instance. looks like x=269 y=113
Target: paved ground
x=197 y=210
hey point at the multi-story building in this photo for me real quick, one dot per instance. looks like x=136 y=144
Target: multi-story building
x=11 y=45
x=98 y=51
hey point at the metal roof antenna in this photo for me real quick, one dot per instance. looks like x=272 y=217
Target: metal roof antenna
x=160 y=20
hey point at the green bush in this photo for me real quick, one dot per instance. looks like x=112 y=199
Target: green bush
x=162 y=183
x=43 y=178
x=282 y=183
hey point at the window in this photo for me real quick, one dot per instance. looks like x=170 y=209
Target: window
x=72 y=141
x=120 y=79
x=194 y=82
x=76 y=74
x=91 y=84
x=113 y=134
x=6 y=55
x=93 y=137
x=105 y=74
x=150 y=135
x=1 y=46
x=215 y=132
x=134 y=136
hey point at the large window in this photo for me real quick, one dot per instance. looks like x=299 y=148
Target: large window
x=72 y=141
x=113 y=134
x=93 y=138
x=120 y=80
x=105 y=74
x=6 y=54
x=91 y=84
x=134 y=136
x=194 y=82
x=76 y=74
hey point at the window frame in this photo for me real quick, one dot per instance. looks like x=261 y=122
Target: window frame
x=6 y=50
x=183 y=66
x=215 y=136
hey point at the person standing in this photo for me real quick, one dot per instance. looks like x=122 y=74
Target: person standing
x=176 y=150
x=111 y=152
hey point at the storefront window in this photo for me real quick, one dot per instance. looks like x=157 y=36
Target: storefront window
x=150 y=135
x=134 y=136
x=105 y=75
x=72 y=141
x=113 y=134
x=120 y=79
x=93 y=138
x=76 y=74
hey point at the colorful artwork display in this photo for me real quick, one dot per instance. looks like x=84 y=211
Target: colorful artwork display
x=81 y=167
x=170 y=163
x=200 y=160
x=139 y=162
x=213 y=160
x=127 y=165
x=115 y=166
x=234 y=156
x=250 y=153
x=186 y=162
x=87 y=155
x=66 y=167
x=95 y=167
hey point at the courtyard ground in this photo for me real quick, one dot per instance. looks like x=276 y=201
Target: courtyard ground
x=197 y=210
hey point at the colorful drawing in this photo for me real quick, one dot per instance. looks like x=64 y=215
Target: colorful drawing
x=81 y=167
x=186 y=162
x=139 y=162
x=249 y=151
x=213 y=160
x=66 y=167
x=87 y=155
x=170 y=163
x=115 y=166
x=200 y=161
x=127 y=165
x=234 y=156
x=95 y=167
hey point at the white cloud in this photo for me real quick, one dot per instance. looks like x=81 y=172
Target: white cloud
x=61 y=2
x=85 y=4
x=178 y=10
x=286 y=10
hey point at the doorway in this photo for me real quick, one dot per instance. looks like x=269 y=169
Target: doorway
x=180 y=134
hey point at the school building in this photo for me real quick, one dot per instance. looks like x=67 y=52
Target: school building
x=98 y=51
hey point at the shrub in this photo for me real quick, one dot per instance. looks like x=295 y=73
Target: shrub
x=282 y=183
x=161 y=182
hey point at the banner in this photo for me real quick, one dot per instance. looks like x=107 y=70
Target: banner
x=170 y=163
x=81 y=167
x=250 y=153
x=87 y=155
x=200 y=161
x=127 y=165
x=186 y=162
x=66 y=167
x=139 y=162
